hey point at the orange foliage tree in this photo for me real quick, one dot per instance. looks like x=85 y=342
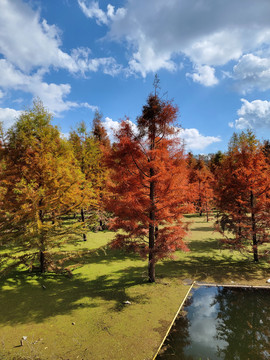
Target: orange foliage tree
x=243 y=194
x=149 y=183
x=266 y=150
x=201 y=183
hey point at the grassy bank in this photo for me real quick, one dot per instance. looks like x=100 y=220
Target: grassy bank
x=85 y=317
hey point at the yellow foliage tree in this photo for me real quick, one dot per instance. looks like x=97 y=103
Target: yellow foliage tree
x=41 y=182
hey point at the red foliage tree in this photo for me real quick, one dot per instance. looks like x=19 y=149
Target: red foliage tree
x=266 y=150
x=243 y=194
x=201 y=182
x=149 y=183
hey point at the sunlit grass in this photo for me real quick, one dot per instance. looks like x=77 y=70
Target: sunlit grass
x=85 y=317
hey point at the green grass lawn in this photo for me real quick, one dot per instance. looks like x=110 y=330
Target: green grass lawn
x=84 y=317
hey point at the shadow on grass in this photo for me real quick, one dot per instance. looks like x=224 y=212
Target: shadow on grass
x=220 y=270
x=26 y=298
x=199 y=246
x=198 y=218
x=205 y=228
x=27 y=301
x=103 y=255
x=191 y=216
x=33 y=297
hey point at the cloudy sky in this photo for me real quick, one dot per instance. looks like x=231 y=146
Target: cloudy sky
x=212 y=58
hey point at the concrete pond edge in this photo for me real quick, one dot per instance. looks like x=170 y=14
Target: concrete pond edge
x=177 y=313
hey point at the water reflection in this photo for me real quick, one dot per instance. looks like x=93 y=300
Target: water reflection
x=222 y=323
x=244 y=323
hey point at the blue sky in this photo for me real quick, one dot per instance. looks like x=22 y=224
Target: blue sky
x=212 y=58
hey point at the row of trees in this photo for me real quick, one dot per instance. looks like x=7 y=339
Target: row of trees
x=45 y=179
x=243 y=193
x=144 y=181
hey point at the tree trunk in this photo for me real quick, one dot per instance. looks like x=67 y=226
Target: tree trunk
x=40 y=215
x=83 y=221
x=82 y=215
x=206 y=208
x=254 y=235
x=101 y=225
x=42 y=261
x=239 y=231
x=53 y=218
x=200 y=199
x=151 y=264
x=151 y=269
x=42 y=243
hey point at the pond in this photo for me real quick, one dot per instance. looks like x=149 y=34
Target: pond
x=221 y=323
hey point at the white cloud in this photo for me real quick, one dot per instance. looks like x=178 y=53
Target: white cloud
x=115 y=15
x=204 y=75
x=52 y=95
x=64 y=136
x=203 y=325
x=37 y=44
x=111 y=126
x=31 y=48
x=145 y=60
x=254 y=114
x=29 y=42
x=93 y=11
x=88 y=106
x=252 y=72
x=209 y=33
x=108 y=65
x=9 y=116
x=9 y=76
x=193 y=140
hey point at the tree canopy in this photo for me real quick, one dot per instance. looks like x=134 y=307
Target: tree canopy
x=149 y=185
x=41 y=182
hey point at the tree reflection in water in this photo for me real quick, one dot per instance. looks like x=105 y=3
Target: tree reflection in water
x=243 y=323
x=221 y=323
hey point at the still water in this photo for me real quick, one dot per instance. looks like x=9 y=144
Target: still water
x=221 y=323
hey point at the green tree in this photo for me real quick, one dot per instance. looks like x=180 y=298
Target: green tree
x=88 y=150
x=99 y=131
x=201 y=182
x=215 y=161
